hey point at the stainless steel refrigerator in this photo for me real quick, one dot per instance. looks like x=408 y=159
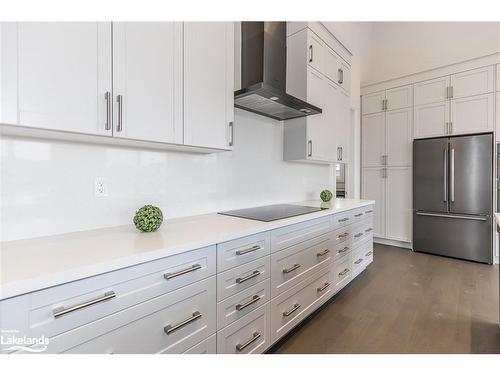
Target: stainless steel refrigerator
x=453 y=196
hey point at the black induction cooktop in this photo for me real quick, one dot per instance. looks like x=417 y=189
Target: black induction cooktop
x=272 y=212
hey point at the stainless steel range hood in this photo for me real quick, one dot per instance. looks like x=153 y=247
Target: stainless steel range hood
x=263 y=73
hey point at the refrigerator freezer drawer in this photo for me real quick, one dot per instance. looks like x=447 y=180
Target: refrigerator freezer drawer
x=458 y=236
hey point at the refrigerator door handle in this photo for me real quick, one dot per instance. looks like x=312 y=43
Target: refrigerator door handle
x=477 y=218
x=452 y=175
x=445 y=175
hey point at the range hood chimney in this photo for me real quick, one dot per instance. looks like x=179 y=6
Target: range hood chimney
x=263 y=73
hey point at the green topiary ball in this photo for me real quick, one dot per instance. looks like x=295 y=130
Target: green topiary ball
x=326 y=195
x=148 y=218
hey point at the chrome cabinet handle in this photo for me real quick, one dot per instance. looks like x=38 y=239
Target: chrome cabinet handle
x=255 y=336
x=343 y=250
x=368 y=230
x=231 y=127
x=321 y=288
x=344 y=272
x=451 y=92
x=358 y=215
x=254 y=299
x=464 y=217
x=357 y=235
x=445 y=175
x=249 y=250
x=240 y=280
x=107 y=96
x=119 y=100
x=451 y=127
x=358 y=261
x=341 y=76
x=310 y=53
x=290 y=312
x=342 y=220
x=172 y=328
x=452 y=175
x=339 y=153
x=291 y=269
x=61 y=311
x=310 y=147
x=324 y=252
x=447 y=92
x=171 y=275
x=343 y=235
x=368 y=253
x=368 y=212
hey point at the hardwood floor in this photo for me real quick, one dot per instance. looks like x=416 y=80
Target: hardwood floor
x=408 y=302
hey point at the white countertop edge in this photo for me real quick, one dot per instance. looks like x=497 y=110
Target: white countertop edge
x=17 y=288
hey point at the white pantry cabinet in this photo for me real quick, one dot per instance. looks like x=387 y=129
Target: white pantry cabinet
x=56 y=75
x=208 y=84
x=147 y=80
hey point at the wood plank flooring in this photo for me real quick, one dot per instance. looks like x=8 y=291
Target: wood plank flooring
x=408 y=302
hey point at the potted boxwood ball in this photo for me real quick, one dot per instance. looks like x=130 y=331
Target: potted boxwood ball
x=326 y=195
x=148 y=218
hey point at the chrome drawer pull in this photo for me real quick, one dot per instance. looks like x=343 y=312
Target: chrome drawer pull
x=368 y=212
x=249 y=250
x=344 y=272
x=254 y=299
x=342 y=220
x=369 y=253
x=240 y=347
x=324 y=252
x=293 y=268
x=171 y=275
x=343 y=250
x=240 y=280
x=357 y=235
x=321 y=288
x=343 y=235
x=358 y=215
x=290 y=312
x=368 y=230
x=172 y=328
x=358 y=261
x=61 y=311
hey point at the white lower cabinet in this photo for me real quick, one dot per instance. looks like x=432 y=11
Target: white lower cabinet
x=248 y=335
x=373 y=187
x=342 y=272
x=208 y=346
x=292 y=306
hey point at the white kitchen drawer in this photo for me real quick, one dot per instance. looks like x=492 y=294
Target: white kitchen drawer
x=143 y=327
x=14 y=320
x=358 y=262
x=242 y=250
x=368 y=210
x=341 y=235
x=342 y=273
x=239 y=278
x=248 y=335
x=362 y=231
x=130 y=286
x=293 y=234
x=368 y=252
x=208 y=346
x=288 y=309
x=341 y=250
x=341 y=219
x=296 y=263
x=359 y=214
x=240 y=304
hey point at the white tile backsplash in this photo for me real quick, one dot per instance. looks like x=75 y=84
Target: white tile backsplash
x=47 y=187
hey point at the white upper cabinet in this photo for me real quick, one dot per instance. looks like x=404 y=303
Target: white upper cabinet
x=398 y=211
x=399 y=97
x=147 y=81
x=398 y=137
x=316 y=51
x=431 y=120
x=472 y=82
x=372 y=103
x=431 y=91
x=472 y=114
x=55 y=75
x=208 y=80
x=373 y=139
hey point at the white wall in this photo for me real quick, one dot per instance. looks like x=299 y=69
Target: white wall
x=47 y=187
x=403 y=48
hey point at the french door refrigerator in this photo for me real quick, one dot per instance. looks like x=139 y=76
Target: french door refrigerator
x=453 y=196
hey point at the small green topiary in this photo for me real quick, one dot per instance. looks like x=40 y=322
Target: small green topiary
x=148 y=218
x=326 y=195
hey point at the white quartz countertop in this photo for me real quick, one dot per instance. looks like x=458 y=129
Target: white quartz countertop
x=34 y=264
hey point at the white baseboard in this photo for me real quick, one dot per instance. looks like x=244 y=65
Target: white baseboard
x=385 y=241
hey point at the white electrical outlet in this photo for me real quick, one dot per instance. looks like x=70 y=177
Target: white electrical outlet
x=100 y=187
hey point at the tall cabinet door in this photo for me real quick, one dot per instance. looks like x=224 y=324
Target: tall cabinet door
x=398 y=137
x=208 y=80
x=343 y=126
x=373 y=187
x=56 y=75
x=373 y=139
x=147 y=81
x=398 y=204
